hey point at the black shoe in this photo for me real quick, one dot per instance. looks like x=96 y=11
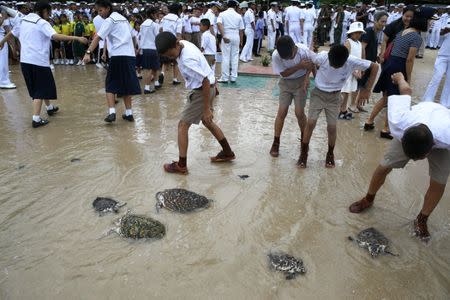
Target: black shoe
x=368 y=126
x=161 y=78
x=139 y=76
x=176 y=82
x=386 y=135
x=50 y=112
x=158 y=86
x=128 y=118
x=232 y=81
x=110 y=118
x=149 y=91
x=40 y=123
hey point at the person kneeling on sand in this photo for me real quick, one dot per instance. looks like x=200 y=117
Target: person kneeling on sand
x=421 y=131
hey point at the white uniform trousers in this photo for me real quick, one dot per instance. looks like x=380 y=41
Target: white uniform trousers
x=308 y=30
x=441 y=68
x=294 y=32
x=4 y=67
x=246 y=53
x=230 y=58
x=271 y=36
x=433 y=41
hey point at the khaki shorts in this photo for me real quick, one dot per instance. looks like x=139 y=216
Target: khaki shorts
x=211 y=59
x=193 y=109
x=328 y=101
x=438 y=161
x=292 y=89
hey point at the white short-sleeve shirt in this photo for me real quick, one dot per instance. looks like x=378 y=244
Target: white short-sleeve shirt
x=272 y=17
x=293 y=14
x=402 y=115
x=117 y=31
x=208 y=43
x=172 y=23
x=149 y=31
x=195 y=27
x=249 y=17
x=329 y=79
x=98 y=21
x=232 y=22
x=193 y=66
x=279 y=65
x=34 y=34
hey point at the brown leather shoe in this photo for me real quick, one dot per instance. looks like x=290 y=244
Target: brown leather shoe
x=175 y=168
x=360 y=206
x=421 y=228
x=274 y=151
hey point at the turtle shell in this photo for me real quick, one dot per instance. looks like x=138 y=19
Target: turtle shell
x=287 y=264
x=181 y=200
x=139 y=227
x=103 y=204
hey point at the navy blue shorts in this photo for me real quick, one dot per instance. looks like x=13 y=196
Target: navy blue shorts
x=40 y=82
x=393 y=65
x=150 y=59
x=121 y=77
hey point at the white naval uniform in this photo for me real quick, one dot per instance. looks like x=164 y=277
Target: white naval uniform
x=271 y=31
x=308 y=26
x=443 y=23
x=293 y=16
x=232 y=23
x=249 y=18
x=4 y=67
x=441 y=68
x=434 y=36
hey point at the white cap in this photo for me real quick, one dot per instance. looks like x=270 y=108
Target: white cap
x=356 y=27
x=243 y=4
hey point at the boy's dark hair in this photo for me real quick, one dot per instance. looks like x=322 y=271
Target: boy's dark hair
x=175 y=8
x=105 y=4
x=165 y=41
x=417 y=141
x=261 y=14
x=338 y=56
x=40 y=6
x=285 y=45
x=409 y=8
x=205 y=22
x=151 y=11
x=419 y=23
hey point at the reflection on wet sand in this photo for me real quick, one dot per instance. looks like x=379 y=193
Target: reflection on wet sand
x=49 y=234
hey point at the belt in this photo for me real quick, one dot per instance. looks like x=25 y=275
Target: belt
x=334 y=92
x=200 y=88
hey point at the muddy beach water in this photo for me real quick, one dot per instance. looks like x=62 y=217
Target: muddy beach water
x=50 y=236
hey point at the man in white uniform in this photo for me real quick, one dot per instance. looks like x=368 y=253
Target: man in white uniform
x=5 y=82
x=293 y=17
x=308 y=25
x=231 y=27
x=249 y=21
x=272 y=25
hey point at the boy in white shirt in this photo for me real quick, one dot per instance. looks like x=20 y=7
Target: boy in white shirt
x=200 y=80
x=334 y=68
x=208 y=44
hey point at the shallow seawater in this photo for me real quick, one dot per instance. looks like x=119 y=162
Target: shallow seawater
x=52 y=241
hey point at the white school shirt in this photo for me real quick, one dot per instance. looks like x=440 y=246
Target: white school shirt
x=249 y=17
x=208 y=43
x=98 y=21
x=117 y=31
x=187 y=24
x=232 y=22
x=193 y=66
x=402 y=115
x=34 y=34
x=279 y=65
x=272 y=16
x=149 y=31
x=329 y=79
x=172 y=23
x=195 y=28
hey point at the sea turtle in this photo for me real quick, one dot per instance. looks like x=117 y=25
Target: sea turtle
x=104 y=205
x=374 y=241
x=287 y=264
x=181 y=200
x=139 y=227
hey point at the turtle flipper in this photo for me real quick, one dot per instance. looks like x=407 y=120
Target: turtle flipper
x=291 y=276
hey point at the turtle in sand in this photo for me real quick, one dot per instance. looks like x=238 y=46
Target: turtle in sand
x=139 y=227
x=104 y=205
x=181 y=200
x=374 y=241
x=287 y=264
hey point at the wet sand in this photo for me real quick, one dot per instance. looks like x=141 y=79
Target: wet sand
x=51 y=238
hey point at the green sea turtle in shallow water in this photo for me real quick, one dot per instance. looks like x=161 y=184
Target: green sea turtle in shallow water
x=287 y=264
x=374 y=241
x=139 y=227
x=104 y=205
x=181 y=200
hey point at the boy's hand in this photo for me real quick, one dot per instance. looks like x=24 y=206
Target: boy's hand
x=306 y=85
x=86 y=58
x=306 y=64
x=207 y=116
x=364 y=95
x=397 y=77
x=226 y=40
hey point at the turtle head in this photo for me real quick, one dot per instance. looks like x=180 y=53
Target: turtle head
x=159 y=201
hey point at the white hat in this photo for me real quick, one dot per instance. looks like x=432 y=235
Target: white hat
x=448 y=6
x=243 y=4
x=356 y=27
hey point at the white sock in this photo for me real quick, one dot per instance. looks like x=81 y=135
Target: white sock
x=112 y=110
x=147 y=87
x=162 y=73
x=128 y=112
x=175 y=79
x=36 y=118
x=50 y=107
x=157 y=83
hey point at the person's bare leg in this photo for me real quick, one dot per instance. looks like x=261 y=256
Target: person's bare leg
x=110 y=100
x=303 y=159
x=376 y=109
x=301 y=120
x=386 y=122
x=344 y=101
x=226 y=154
x=127 y=101
x=332 y=134
x=183 y=138
x=37 y=105
x=278 y=128
x=353 y=103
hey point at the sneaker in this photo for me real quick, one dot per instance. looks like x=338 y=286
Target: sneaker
x=99 y=65
x=161 y=78
x=421 y=228
x=128 y=118
x=66 y=62
x=110 y=118
x=148 y=91
x=175 y=168
x=70 y=61
x=40 y=123
x=345 y=115
x=79 y=63
x=222 y=157
x=157 y=85
x=176 y=82
x=50 y=112
x=8 y=86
